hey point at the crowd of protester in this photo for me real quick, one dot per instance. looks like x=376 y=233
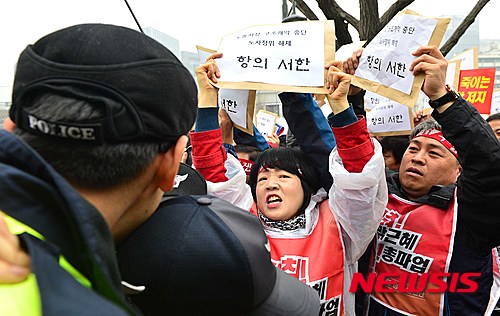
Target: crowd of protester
x=126 y=190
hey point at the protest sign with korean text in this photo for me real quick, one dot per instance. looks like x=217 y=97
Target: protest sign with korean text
x=266 y=122
x=278 y=57
x=386 y=117
x=239 y=106
x=476 y=86
x=384 y=66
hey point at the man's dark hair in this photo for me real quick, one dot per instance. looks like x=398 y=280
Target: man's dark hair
x=88 y=165
x=493 y=117
x=396 y=144
x=426 y=125
x=252 y=152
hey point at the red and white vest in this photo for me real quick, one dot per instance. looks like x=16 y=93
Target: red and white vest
x=495 y=288
x=414 y=238
x=316 y=259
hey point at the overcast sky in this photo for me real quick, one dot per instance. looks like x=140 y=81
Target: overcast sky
x=193 y=22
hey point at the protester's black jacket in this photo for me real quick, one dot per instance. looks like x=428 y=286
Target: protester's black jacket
x=34 y=194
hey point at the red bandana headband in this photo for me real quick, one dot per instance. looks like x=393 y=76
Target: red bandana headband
x=438 y=135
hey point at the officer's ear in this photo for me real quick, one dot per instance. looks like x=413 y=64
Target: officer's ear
x=169 y=165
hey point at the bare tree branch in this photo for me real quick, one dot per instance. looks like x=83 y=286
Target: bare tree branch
x=333 y=11
x=304 y=8
x=469 y=19
x=342 y=33
x=393 y=10
x=369 y=21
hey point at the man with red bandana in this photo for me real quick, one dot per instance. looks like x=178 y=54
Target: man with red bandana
x=442 y=216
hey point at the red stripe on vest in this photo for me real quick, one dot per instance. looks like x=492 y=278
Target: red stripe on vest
x=316 y=259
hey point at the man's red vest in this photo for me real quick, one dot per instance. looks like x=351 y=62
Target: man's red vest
x=414 y=238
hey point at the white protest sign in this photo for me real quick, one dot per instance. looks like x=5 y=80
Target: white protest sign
x=384 y=66
x=266 y=122
x=388 y=57
x=495 y=102
x=372 y=100
x=468 y=58
x=239 y=105
x=279 y=57
x=387 y=117
x=453 y=73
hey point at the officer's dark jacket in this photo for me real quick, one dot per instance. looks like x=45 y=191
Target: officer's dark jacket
x=34 y=194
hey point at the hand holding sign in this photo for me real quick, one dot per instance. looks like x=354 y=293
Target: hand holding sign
x=432 y=63
x=273 y=140
x=205 y=74
x=338 y=84
x=350 y=65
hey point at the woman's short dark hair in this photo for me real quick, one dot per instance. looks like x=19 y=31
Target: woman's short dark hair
x=291 y=160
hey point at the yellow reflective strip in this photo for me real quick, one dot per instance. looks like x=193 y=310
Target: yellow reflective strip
x=17 y=227
x=74 y=272
x=20 y=299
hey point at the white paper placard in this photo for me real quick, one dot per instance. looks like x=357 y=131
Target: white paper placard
x=388 y=57
x=468 y=58
x=387 y=116
x=235 y=102
x=453 y=73
x=283 y=54
x=266 y=122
